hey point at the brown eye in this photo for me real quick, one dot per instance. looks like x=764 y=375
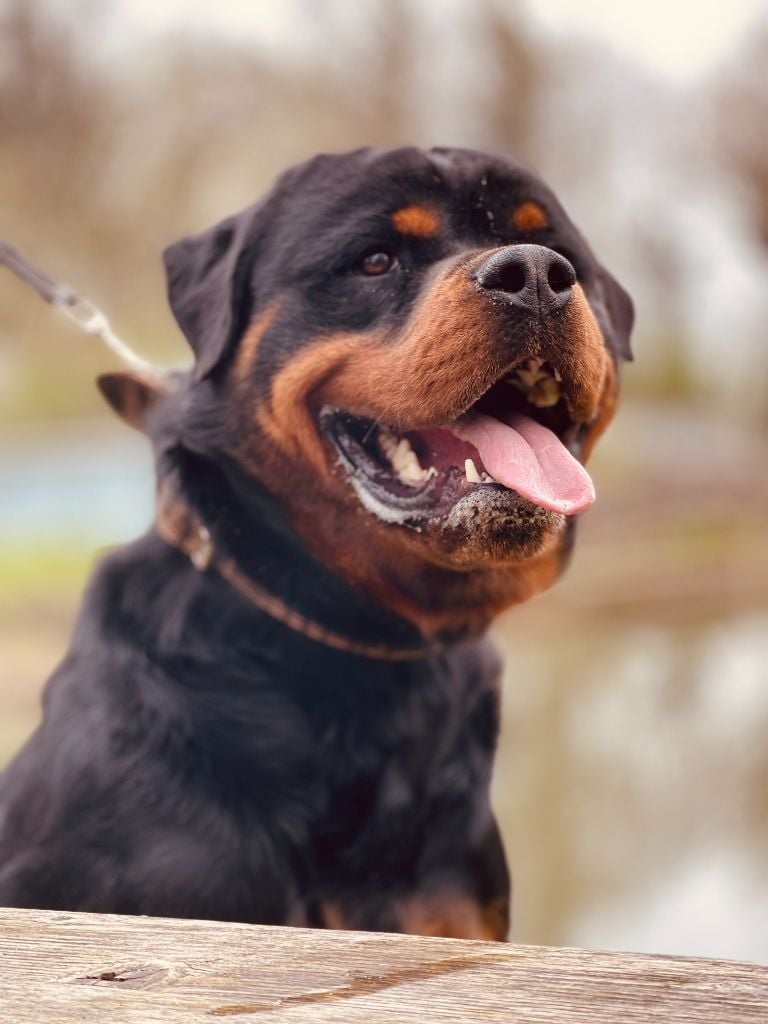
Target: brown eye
x=377 y=263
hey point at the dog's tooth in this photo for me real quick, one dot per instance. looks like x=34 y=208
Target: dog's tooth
x=545 y=393
x=488 y=479
x=526 y=377
x=406 y=465
x=388 y=441
x=403 y=459
x=534 y=366
x=415 y=475
x=530 y=372
x=471 y=471
x=539 y=387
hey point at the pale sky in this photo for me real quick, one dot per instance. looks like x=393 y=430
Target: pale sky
x=678 y=39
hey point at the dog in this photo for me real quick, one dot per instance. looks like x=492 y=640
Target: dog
x=278 y=705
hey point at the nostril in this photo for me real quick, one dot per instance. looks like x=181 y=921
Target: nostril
x=511 y=278
x=561 y=276
x=505 y=271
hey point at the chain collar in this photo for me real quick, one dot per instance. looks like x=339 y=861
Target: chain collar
x=184 y=530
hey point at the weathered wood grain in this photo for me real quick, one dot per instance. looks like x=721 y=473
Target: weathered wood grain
x=57 y=967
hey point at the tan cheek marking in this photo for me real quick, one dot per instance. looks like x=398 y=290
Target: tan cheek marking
x=606 y=409
x=584 y=359
x=592 y=371
x=529 y=216
x=447 y=350
x=249 y=343
x=416 y=220
x=409 y=381
x=412 y=381
x=288 y=418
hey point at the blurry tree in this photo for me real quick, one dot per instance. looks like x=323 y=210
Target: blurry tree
x=55 y=110
x=741 y=125
x=106 y=159
x=366 y=55
x=669 y=370
x=517 y=75
x=111 y=148
x=740 y=138
x=55 y=117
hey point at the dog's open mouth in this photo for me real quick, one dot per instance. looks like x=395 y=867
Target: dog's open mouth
x=519 y=437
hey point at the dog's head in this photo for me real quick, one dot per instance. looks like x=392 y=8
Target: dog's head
x=413 y=353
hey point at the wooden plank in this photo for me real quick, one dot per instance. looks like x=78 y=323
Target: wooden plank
x=64 y=967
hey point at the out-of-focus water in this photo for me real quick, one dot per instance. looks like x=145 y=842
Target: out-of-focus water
x=86 y=484
x=632 y=781
x=633 y=784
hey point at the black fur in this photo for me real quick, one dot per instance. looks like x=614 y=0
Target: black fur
x=197 y=758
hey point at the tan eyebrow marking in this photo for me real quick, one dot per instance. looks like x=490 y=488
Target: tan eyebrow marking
x=416 y=220
x=529 y=216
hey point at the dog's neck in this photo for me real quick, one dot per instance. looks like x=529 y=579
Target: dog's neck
x=227 y=525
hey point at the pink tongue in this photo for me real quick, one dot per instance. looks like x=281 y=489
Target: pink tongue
x=529 y=459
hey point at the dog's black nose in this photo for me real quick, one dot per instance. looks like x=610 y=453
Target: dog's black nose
x=530 y=276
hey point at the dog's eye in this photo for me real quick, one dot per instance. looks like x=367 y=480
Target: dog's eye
x=374 y=264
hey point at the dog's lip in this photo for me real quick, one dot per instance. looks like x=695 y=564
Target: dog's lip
x=535 y=387
x=408 y=474
x=378 y=487
x=557 y=386
x=417 y=475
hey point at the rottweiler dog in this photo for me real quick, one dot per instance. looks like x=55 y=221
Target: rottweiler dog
x=278 y=705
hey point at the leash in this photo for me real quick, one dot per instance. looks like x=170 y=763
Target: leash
x=183 y=529
x=176 y=523
x=78 y=310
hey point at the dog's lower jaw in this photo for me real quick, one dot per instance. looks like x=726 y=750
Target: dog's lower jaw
x=485 y=528
x=468 y=601
x=371 y=580
x=467 y=581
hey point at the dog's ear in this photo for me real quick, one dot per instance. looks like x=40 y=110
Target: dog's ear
x=208 y=279
x=131 y=396
x=620 y=311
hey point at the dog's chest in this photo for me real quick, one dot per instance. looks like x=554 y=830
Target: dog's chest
x=393 y=768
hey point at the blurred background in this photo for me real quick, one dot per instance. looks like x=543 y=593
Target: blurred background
x=633 y=779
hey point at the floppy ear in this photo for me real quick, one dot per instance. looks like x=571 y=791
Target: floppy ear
x=131 y=396
x=621 y=313
x=208 y=286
